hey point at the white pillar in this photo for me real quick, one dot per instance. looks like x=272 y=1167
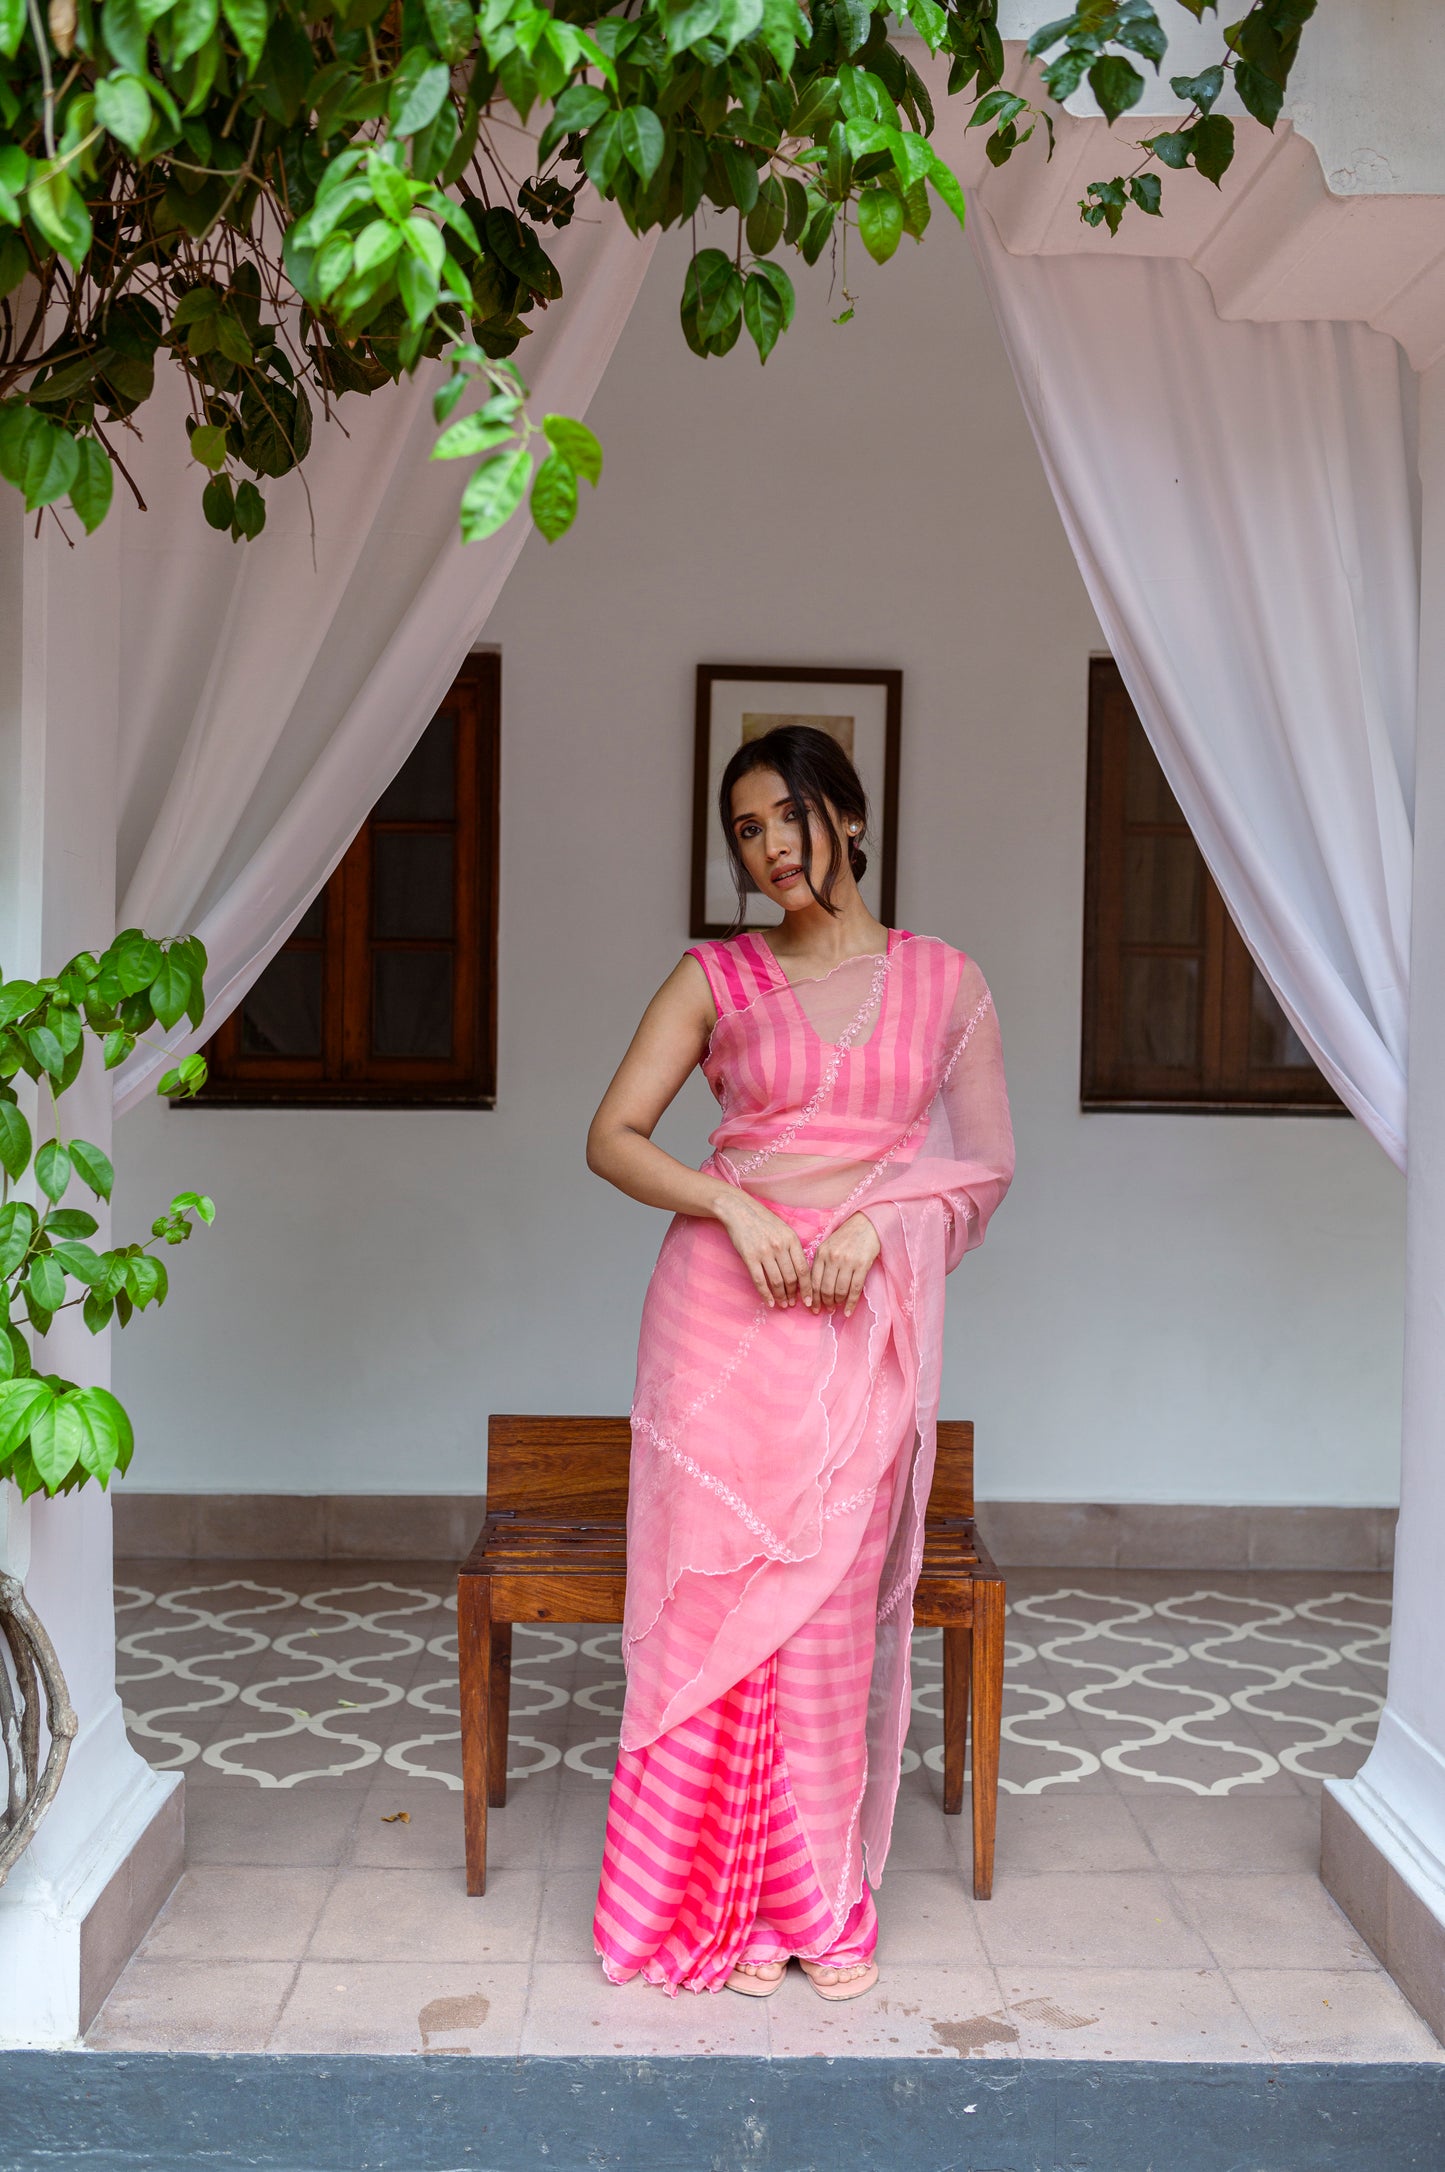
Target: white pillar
x=1384 y=1831
x=108 y=1852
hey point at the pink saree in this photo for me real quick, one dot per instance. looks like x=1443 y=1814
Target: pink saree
x=781 y=1464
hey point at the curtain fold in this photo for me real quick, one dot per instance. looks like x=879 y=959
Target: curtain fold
x=1239 y=498
x=270 y=691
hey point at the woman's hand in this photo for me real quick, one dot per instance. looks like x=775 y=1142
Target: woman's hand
x=768 y=1247
x=840 y=1263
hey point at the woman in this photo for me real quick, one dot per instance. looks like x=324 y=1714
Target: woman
x=787 y=1391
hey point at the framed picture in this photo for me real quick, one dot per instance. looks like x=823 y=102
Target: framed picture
x=737 y=702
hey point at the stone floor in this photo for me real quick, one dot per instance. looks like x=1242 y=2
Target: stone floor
x=1165 y=1737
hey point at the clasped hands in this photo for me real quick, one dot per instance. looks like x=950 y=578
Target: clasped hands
x=773 y=1254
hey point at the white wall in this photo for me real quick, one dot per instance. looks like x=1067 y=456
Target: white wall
x=1168 y=1308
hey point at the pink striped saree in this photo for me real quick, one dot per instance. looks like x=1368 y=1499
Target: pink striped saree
x=781 y=1463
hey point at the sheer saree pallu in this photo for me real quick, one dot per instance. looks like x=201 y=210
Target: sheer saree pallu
x=781 y=1464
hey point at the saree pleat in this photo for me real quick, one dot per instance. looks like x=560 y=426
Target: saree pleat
x=782 y=1461
x=706 y=1860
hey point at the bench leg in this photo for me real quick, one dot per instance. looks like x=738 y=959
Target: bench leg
x=500 y=1714
x=957 y=1639
x=988 y=1621
x=474 y=1625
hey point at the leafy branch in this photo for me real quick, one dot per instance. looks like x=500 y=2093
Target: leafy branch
x=54 y=1435
x=294 y=205
x=1094 y=42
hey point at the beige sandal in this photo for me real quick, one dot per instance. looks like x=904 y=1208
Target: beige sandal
x=753 y=1986
x=852 y=1988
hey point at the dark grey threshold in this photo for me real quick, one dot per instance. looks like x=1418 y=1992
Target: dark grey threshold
x=156 y=2112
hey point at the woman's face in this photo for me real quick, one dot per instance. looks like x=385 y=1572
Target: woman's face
x=768 y=826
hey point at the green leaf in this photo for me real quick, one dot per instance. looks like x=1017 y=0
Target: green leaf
x=494 y=493
x=1262 y=96
x=854 y=19
x=554 y=497
x=106 y=1428
x=880 y=222
x=1213 y=146
x=643 y=140
x=52 y=1169
x=689 y=20
x=52 y=463
x=46 y=1049
x=57 y=1434
x=576 y=444
x=170 y=990
x=762 y=314
x=18 y=1224
x=45 y=1282
x=123 y=108
x=137 y=964
x=1146 y=190
x=712 y=299
x=94 y=484
x=14 y=1141
x=12 y=27
x=59 y=211
x=125 y=32
x=218 y=504
x=208 y=445
x=418 y=88
x=946 y=182
x=249 y=21
x=1117 y=84
x=795 y=197
x=250 y=514
x=766 y=219
x=92 y=1167
x=21 y=1402
x=1200 y=90
x=78 y=1260
x=145 y=1279
x=473 y=434
x=70 y=1222
x=579 y=106
x=191 y=24
x=198 y=1202
x=453 y=25
x=96 y=1311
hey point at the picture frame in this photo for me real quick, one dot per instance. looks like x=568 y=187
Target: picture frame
x=863 y=708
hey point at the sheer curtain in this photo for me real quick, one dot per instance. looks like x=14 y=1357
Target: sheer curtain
x=271 y=690
x=1240 y=499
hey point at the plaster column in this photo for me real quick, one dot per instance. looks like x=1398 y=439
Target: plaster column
x=110 y=1848
x=1383 y=1852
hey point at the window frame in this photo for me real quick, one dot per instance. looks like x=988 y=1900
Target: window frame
x=467 y=1079
x=1226 y=1082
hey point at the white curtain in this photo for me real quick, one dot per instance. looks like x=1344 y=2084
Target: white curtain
x=271 y=690
x=1240 y=499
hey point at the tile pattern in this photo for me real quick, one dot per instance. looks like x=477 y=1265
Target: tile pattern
x=278 y=1679
x=1158 y=1845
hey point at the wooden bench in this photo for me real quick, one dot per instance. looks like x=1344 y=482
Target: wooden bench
x=553 y=1549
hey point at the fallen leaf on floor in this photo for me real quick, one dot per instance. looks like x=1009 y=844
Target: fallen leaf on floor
x=398 y=1817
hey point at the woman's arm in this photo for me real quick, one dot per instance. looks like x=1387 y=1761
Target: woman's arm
x=671 y=1038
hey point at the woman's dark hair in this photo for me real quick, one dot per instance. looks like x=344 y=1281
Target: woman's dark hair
x=817 y=773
